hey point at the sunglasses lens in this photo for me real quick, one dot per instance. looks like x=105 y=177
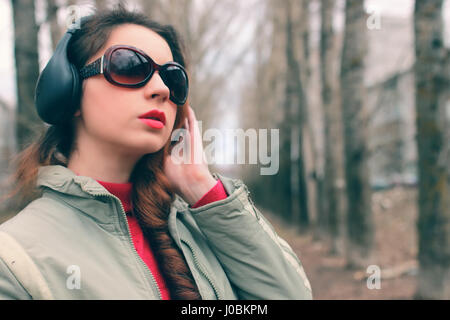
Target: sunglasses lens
x=128 y=67
x=176 y=80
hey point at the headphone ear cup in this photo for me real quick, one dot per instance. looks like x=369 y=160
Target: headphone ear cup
x=58 y=88
x=76 y=93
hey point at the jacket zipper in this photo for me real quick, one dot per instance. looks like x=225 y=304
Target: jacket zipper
x=251 y=202
x=130 y=240
x=199 y=267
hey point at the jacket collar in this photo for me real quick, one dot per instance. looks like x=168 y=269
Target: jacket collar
x=81 y=188
x=64 y=180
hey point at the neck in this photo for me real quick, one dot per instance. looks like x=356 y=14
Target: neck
x=101 y=162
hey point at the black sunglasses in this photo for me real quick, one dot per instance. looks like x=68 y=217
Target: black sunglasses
x=127 y=66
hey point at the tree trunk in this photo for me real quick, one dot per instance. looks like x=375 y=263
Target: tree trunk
x=432 y=88
x=101 y=4
x=152 y=8
x=359 y=218
x=27 y=70
x=52 y=19
x=271 y=79
x=331 y=220
x=295 y=110
x=7 y=151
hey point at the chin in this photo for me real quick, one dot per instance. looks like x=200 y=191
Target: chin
x=150 y=148
x=139 y=148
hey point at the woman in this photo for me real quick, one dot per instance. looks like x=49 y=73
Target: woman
x=117 y=217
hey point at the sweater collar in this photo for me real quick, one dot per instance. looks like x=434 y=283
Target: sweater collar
x=121 y=191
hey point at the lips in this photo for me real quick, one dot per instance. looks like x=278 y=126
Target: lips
x=154 y=118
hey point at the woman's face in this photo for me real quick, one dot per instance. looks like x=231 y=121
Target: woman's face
x=109 y=115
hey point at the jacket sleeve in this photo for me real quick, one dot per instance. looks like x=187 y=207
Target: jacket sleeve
x=259 y=263
x=10 y=288
x=19 y=276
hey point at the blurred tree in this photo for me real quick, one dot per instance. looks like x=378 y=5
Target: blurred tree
x=101 y=4
x=277 y=99
x=432 y=94
x=360 y=230
x=7 y=150
x=330 y=221
x=295 y=107
x=28 y=123
x=313 y=138
x=262 y=104
x=52 y=19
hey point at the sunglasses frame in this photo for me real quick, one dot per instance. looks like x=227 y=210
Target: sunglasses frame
x=102 y=65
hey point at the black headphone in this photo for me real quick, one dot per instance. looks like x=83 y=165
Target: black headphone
x=58 y=89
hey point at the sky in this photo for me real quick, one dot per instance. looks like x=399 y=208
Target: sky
x=403 y=8
x=392 y=7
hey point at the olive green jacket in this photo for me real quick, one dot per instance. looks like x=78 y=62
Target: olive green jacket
x=74 y=243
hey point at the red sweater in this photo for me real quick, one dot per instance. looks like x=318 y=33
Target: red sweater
x=143 y=247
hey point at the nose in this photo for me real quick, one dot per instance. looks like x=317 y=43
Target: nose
x=156 y=88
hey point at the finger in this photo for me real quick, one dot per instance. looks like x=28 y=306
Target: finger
x=186 y=124
x=197 y=138
x=188 y=119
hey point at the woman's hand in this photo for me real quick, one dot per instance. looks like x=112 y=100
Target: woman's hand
x=188 y=174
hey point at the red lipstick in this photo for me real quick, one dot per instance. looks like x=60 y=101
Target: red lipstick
x=154 y=118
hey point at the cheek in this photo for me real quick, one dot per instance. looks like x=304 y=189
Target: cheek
x=110 y=114
x=102 y=107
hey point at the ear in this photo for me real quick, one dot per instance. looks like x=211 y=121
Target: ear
x=78 y=113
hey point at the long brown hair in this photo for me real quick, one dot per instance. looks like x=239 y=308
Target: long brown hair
x=151 y=194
